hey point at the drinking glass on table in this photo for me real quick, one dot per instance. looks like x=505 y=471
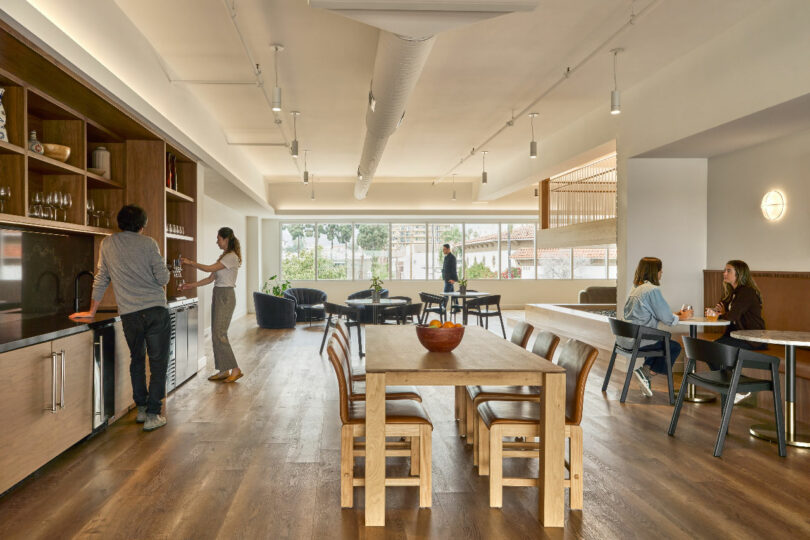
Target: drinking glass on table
x=711 y=314
x=687 y=308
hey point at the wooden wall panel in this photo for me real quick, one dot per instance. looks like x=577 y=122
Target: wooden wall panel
x=145 y=173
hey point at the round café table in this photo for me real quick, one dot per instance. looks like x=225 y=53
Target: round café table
x=464 y=297
x=375 y=306
x=693 y=324
x=790 y=339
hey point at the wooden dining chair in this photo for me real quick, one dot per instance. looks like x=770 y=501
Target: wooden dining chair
x=357 y=382
x=403 y=418
x=499 y=419
x=544 y=346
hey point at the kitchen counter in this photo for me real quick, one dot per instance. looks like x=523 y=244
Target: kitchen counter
x=18 y=330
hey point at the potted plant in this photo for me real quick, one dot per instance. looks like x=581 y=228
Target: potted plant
x=275 y=287
x=462 y=286
x=376 y=287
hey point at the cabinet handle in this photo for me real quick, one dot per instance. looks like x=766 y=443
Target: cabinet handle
x=62 y=398
x=53 y=390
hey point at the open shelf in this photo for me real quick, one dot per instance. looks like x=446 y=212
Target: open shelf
x=8 y=148
x=47 y=224
x=179 y=237
x=95 y=181
x=177 y=196
x=45 y=165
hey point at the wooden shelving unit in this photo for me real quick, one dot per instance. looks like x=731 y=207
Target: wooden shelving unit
x=63 y=108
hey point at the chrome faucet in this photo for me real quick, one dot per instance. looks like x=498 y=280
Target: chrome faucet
x=76 y=288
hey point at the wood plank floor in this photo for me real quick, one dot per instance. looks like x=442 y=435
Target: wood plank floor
x=260 y=459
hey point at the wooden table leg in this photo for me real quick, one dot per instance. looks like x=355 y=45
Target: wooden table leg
x=552 y=451
x=375 y=449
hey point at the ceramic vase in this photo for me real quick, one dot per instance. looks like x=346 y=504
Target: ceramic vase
x=375 y=297
x=101 y=160
x=34 y=145
x=3 y=131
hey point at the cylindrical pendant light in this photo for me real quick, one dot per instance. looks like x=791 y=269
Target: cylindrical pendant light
x=453 y=198
x=533 y=144
x=615 y=97
x=294 y=144
x=306 y=172
x=484 y=167
x=275 y=102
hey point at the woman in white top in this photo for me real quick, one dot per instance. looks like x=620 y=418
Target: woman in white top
x=223 y=302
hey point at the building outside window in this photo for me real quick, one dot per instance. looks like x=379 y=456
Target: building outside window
x=517 y=249
x=409 y=251
x=481 y=255
x=554 y=263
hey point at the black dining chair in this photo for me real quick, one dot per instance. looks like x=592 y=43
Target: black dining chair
x=456 y=307
x=485 y=307
x=433 y=303
x=637 y=333
x=725 y=377
x=394 y=314
x=334 y=312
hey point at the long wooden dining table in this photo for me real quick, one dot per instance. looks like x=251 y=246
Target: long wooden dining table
x=394 y=356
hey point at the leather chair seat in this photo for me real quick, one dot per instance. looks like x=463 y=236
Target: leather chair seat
x=510 y=412
x=391 y=392
x=505 y=392
x=396 y=412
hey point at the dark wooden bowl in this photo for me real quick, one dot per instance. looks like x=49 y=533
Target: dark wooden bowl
x=439 y=339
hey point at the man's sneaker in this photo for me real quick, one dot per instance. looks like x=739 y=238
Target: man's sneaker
x=141 y=418
x=154 y=421
x=644 y=381
x=741 y=397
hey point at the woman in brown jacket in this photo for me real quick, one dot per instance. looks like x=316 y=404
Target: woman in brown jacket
x=741 y=304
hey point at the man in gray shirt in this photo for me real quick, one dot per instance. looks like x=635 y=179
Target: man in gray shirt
x=132 y=262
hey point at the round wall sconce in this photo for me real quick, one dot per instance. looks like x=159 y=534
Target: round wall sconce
x=773 y=205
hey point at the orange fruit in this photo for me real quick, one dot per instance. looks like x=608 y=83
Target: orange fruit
x=459 y=325
x=435 y=324
x=448 y=324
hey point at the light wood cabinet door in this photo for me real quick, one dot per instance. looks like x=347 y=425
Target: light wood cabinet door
x=75 y=416
x=30 y=436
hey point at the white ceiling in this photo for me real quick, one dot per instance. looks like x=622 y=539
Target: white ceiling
x=473 y=80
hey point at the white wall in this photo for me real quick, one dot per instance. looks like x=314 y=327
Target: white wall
x=668 y=221
x=737 y=228
x=216 y=215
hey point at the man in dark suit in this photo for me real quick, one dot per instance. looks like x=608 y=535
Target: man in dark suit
x=449 y=274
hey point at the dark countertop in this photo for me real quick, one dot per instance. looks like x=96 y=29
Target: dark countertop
x=19 y=330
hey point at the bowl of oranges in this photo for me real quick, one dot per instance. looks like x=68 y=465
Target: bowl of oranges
x=438 y=337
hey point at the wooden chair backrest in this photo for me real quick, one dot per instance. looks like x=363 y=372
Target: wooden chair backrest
x=521 y=333
x=340 y=363
x=576 y=358
x=545 y=344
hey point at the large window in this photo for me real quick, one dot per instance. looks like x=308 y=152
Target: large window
x=413 y=251
x=298 y=251
x=438 y=235
x=334 y=250
x=409 y=251
x=481 y=250
x=554 y=263
x=371 y=251
x=517 y=251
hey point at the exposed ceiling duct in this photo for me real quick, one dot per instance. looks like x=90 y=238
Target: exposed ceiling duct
x=408 y=30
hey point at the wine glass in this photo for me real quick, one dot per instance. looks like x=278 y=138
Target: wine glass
x=67 y=203
x=36 y=206
x=47 y=208
x=5 y=194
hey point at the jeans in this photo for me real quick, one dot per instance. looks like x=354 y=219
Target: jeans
x=658 y=364
x=148 y=331
x=448 y=287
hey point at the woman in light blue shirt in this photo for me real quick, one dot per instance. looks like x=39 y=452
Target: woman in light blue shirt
x=646 y=306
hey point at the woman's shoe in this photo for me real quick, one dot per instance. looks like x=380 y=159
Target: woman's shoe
x=234 y=378
x=219 y=376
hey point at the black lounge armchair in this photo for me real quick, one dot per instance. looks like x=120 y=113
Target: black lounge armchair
x=274 y=311
x=308 y=303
